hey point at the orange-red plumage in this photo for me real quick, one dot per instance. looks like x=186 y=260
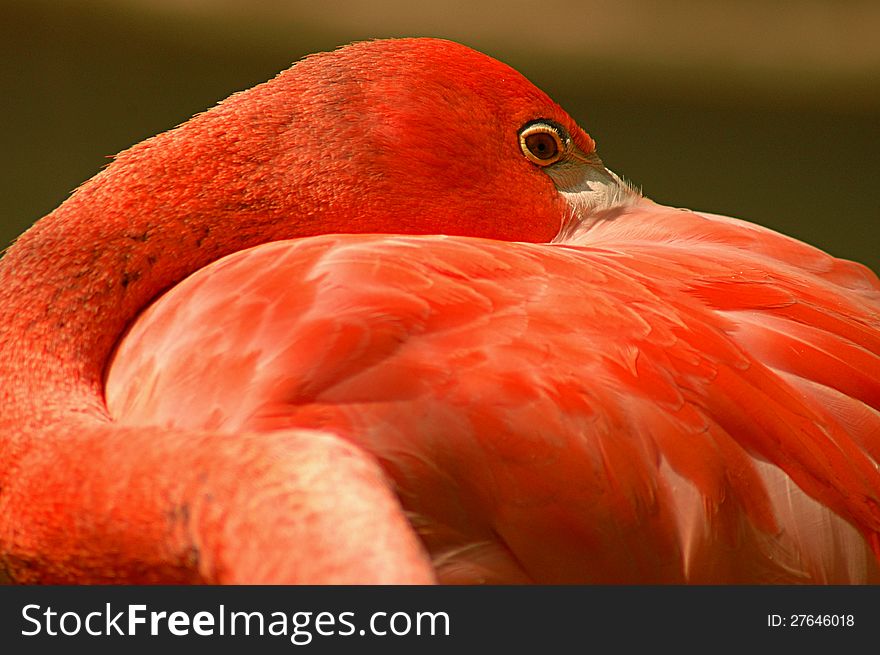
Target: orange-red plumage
x=657 y=396
x=538 y=400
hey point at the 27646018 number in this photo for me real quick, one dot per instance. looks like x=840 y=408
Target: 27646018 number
x=811 y=620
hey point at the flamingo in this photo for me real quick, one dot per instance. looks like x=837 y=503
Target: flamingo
x=387 y=318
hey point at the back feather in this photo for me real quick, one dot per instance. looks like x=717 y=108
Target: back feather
x=665 y=397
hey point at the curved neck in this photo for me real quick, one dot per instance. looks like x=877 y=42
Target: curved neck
x=71 y=284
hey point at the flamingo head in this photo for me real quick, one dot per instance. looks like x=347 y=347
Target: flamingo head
x=416 y=136
x=429 y=136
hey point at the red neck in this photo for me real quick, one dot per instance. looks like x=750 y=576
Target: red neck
x=72 y=283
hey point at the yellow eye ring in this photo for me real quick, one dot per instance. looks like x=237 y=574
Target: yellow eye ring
x=542 y=144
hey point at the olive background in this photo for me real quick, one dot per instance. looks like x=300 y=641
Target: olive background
x=765 y=111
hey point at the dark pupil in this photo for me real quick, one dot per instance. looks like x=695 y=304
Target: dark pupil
x=542 y=145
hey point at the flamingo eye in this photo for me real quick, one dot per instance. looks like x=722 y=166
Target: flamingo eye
x=543 y=143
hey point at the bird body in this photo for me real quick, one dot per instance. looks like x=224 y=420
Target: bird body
x=408 y=380
x=607 y=409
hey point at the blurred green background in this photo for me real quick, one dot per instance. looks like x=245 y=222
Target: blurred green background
x=765 y=111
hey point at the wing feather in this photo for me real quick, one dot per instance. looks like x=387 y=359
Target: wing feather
x=668 y=396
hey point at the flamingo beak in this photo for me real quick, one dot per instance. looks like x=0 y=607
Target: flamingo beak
x=588 y=188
